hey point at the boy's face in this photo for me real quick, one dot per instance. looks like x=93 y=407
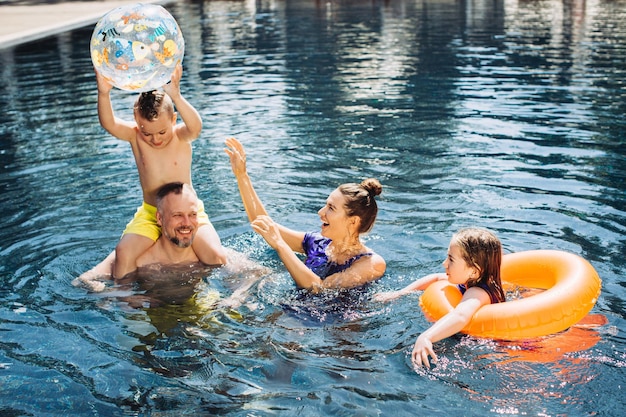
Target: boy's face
x=158 y=132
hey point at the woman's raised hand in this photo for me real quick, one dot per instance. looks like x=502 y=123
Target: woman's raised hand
x=237 y=155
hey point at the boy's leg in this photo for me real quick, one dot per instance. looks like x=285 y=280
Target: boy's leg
x=127 y=251
x=208 y=246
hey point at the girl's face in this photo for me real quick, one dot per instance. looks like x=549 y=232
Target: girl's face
x=457 y=269
x=334 y=218
x=156 y=133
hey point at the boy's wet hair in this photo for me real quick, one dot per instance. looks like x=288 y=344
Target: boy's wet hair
x=150 y=104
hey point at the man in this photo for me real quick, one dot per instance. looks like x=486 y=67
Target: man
x=159 y=272
x=177 y=215
x=177 y=209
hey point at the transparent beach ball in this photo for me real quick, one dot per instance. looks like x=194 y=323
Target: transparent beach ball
x=137 y=47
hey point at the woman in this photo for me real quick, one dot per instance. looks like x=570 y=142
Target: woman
x=336 y=257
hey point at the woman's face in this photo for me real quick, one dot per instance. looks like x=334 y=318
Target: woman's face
x=335 y=220
x=457 y=269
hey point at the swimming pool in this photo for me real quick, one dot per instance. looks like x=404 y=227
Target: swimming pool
x=505 y=114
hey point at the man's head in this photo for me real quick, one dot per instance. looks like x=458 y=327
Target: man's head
x=177 y=213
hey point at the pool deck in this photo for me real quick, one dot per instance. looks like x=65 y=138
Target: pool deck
x=26 y=22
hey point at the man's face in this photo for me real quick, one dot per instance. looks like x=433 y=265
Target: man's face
x=178 y=218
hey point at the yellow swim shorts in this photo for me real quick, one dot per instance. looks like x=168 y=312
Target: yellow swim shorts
x=145 y=224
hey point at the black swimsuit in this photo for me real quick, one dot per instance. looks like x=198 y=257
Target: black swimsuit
x=492 y=295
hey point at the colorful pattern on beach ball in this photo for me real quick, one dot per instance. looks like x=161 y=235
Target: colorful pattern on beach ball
x=137 y=47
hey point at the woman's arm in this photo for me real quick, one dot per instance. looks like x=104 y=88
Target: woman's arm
x=450 y=324
x=363 y=271
x=301 y=274
x=251 y=201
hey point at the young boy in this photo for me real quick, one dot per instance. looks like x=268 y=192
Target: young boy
x=163 y=154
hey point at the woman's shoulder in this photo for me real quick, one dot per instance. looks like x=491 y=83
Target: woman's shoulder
x=375 y=257
x=379 y=264
x=375 y=263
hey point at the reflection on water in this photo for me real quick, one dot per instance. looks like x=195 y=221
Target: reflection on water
x=504 y=114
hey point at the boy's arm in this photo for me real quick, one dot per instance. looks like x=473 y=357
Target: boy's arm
x=117 y=127
x=191 y=127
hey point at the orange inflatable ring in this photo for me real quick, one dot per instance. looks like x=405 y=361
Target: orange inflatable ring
x=572 y=288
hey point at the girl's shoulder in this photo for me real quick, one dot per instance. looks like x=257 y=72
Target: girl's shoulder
x=492 y=293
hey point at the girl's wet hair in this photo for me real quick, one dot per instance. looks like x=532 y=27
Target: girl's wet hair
x=482 y=250
x=150 y=104
x=360 y=201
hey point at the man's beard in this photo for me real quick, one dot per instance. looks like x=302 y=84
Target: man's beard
x=181 y=244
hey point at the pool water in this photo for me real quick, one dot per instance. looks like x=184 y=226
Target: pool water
x=502 y=114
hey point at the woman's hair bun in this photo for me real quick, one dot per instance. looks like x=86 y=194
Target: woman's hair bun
x=372 y=185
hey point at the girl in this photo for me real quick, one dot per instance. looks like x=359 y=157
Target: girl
x=336 y=257
x=473 y=263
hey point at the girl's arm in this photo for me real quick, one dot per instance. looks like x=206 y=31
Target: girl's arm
x=417 y=285
x=450 y=324
x=191 y=127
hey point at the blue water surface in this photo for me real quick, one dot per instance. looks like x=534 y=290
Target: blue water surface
x=502 y=114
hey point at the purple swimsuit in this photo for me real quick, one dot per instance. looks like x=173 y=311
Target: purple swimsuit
x=314 y=246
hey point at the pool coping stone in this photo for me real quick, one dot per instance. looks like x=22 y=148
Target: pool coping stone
x=24 y=23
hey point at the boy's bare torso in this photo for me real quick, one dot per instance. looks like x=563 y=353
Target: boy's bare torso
x=162 y=165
